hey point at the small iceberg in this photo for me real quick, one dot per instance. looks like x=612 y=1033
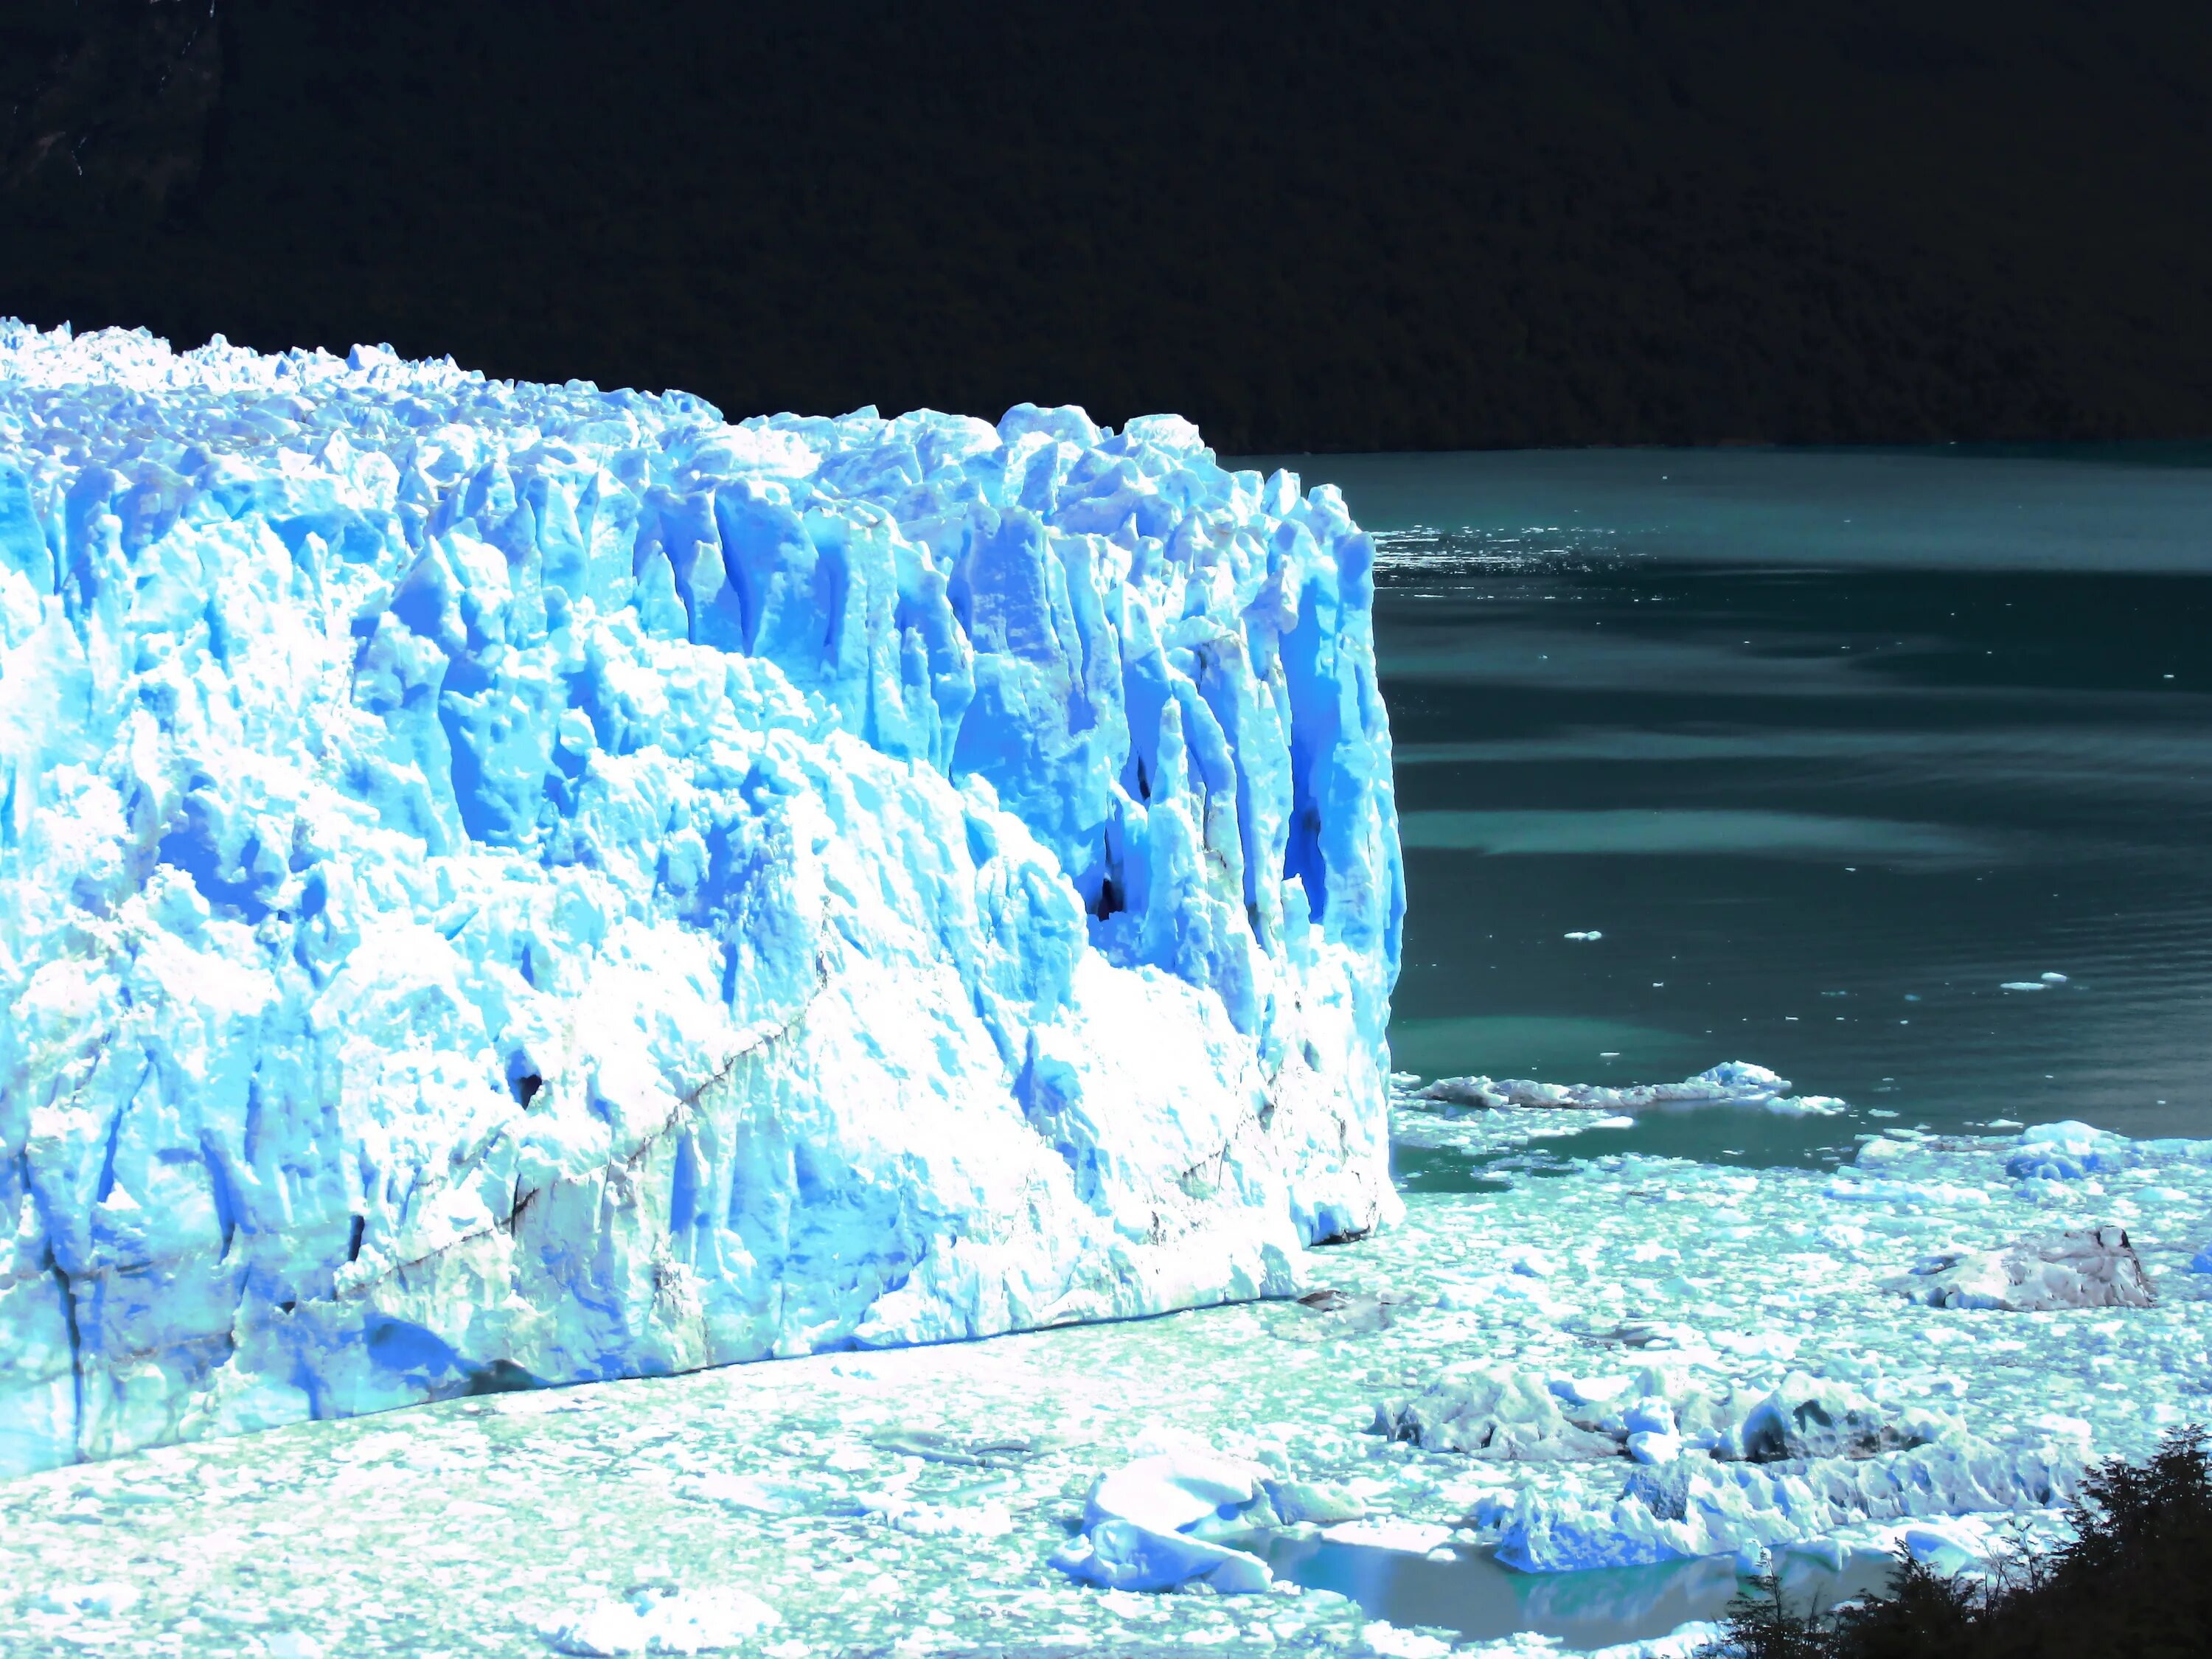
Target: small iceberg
x=1734 y=1082
x=1151 y=1525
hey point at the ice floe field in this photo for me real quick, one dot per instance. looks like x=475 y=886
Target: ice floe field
x=1634 y=1361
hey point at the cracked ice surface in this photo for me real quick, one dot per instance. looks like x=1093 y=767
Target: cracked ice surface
x=908 y=1501
x=505 y=882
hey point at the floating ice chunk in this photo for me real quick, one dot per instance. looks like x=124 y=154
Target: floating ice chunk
x=105 y=1599
x=1734 y=1083
x=2069 y=1151
x=659 y=1620
x=1525 y=1259
x=950 y=1520
x=1503 y=1416
x=2054 y=979
x=754 y=1494
x=1684 y=1640
x=2093 y=1268
x=1590 y=1390
x=1695 y=1506
x=1807 y=1106
x=1175 y=1492
x=1935 y=1196
x=2023 y=985
x=1123 y=1555
x=1817 y=1417
x=1757 y=1344
x=1615 y=1123
x=1152 y=1524
x=1296 y=1502
x=1592 y=935
x=1385 y=1640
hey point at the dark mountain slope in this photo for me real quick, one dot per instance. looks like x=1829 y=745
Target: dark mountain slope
x=1585 y=222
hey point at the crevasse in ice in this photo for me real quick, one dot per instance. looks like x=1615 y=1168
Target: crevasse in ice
x=505 y=882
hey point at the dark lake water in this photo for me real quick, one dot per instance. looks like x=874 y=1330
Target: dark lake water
x=1831 y=747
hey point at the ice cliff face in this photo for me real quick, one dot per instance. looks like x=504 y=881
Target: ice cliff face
x=502 y=882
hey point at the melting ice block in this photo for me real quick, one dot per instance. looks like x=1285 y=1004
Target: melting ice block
x=2089 y=1267
x=506 y=884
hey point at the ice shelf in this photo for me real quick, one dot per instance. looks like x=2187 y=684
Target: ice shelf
x=506 y=884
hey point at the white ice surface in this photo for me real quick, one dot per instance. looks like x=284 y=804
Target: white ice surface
x=505 y=882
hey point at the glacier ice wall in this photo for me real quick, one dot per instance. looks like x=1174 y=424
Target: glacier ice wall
x=505 y=882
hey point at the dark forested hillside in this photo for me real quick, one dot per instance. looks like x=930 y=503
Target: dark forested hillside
x=1345 y=227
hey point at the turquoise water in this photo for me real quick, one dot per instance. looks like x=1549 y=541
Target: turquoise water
x=1468 y=1594
x=1831 y=747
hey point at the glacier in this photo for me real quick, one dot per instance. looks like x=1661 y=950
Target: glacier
x=505 y=884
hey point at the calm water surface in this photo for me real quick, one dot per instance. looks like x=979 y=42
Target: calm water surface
x=1467 y=1593
x=1831 y=747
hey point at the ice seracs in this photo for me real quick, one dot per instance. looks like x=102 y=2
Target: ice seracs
x=1498 y=1413
x=507 y=883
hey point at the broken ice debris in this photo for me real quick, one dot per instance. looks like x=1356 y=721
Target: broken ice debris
x=1500 y=1415
x=659 y=1619
x=2093 y=1268
x=1653 y=1418
x=2069 y=1151
x=1694 y=1506
x=1809 y=1417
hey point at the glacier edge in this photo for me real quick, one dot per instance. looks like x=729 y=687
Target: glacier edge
x=506 y=884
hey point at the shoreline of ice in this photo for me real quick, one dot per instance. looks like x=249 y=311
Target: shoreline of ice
x=910 y=1499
